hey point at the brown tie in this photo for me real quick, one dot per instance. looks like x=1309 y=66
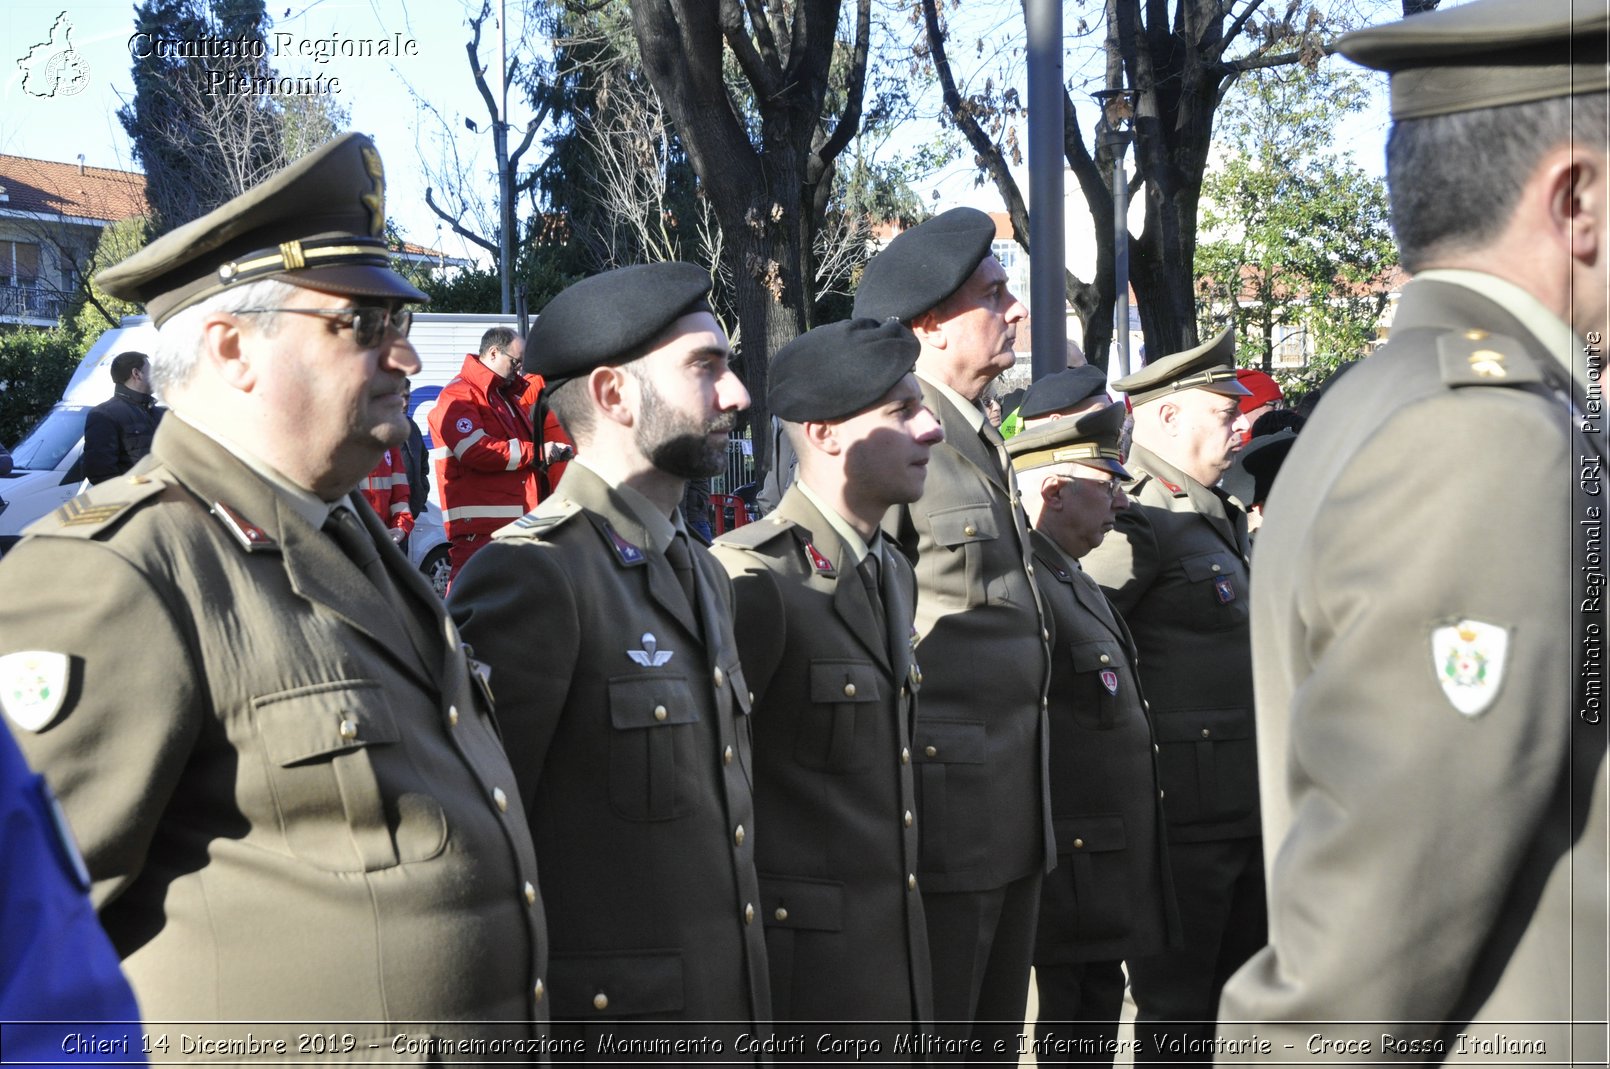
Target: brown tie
x=871 y=579
x=681 y=559
x=348 y=532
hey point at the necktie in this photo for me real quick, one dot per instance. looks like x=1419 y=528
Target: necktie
x=681 y=558
x=347 y=530
x=871 y=579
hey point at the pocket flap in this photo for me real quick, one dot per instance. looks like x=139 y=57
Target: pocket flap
x=801 y=902
x=962 y=524
x=651 y=701
x=843 y=681
x=1085 y=835
x=1096 y=654
x=322 y=720
x=1209 y=565
x=616 y=985
x=1202 y=725
x=955 y=742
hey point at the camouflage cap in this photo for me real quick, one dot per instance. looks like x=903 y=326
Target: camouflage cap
x=318 y=223
x=1210 y=366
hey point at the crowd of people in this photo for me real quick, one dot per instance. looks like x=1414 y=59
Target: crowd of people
x=963 y=708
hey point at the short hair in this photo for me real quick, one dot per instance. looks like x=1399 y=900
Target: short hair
x=1454 y=179
x=497 y=338
x=179 y=340
x=125 y=364
x=569 y=402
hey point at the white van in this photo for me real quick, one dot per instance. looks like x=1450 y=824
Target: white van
x=47 y=470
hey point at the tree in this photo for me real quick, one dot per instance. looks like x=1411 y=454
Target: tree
x=1297 y=237
x=34 y=368
x=99 y=310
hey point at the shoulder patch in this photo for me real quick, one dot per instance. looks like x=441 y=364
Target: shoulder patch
x=753 y=536
x=1477 y=358
x=99 y=509
x=541 y=520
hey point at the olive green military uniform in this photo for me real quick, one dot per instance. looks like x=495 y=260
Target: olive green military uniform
x=626 y=719
x=288 y=789
x=1175 y=567
x=835 y=684
x=982 y=792
x=1431 y=784
x=1111 y=896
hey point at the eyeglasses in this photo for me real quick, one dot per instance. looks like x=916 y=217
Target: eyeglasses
x=1112 y=487
x=369 y=323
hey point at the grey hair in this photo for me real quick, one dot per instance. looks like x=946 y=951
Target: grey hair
x=179 y=340
x=1454 y=180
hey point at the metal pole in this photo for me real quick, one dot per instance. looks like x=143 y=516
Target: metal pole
x=500 y=142
x=1048 y=293
x=1120 y=262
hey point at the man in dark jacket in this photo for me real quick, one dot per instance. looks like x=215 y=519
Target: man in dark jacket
x=118 y=432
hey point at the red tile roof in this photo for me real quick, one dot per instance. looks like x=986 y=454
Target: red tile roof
x=61 y=189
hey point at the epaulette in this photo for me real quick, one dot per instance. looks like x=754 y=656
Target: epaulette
x=1477 y=358
x=541 y=520
x=98 y=510
x=752 y=536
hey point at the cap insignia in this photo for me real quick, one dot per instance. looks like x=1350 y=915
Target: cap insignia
x=375 y=200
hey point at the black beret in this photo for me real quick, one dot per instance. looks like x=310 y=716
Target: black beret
x=1210 y=366
x=1063 y=390
x=603 y=319
x=924 y=265
x=1012 y=400
x=839 y=369
x=1090 y=438
x=1262 y=459
x=318 y=223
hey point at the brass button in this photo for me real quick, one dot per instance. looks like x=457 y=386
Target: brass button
x=781 y=914
x=660 y=713
x=1104 y=659
x=1045 y=636
x=749 y=912
x=932 y=751
x=1215 y=567
x=349 y=730
x=1030 y=569
x=908 y=818
x=1146 y=705
x=500 y=799
x=751 y=697
x=1078 y=844
x=719 y=676
x=538 y=991
x=726 y=756
x=1156 y=748
x=738 y=835
x=1045 y=704
x=849 y=690
x=530 y=894
x=600 y=1001
x=969 y=530
x=1206 y=733
x=905 y=755
x=452 y=716
x=911 y=881
x=1159 y=794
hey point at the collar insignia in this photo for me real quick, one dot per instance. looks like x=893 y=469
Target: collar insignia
x=252 y=538
x=625 y=552
x=822 y=565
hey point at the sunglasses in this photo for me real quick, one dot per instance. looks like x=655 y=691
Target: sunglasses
x=369 y=323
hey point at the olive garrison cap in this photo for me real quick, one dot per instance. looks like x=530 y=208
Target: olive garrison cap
x=1210 y=366
x=839 y=369
x=318 y=223
x=1262 y=459
x=1487 y=54
x=924 y=265
x=1090 y=439
x=606 y=318
x=1063 y=390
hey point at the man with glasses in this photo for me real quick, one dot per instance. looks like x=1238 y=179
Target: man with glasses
x=261 y=725
x=1109 y=897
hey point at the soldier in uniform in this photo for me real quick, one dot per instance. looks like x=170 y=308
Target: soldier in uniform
x=824 y=611
x=608 y=636
x=1175 y=567
x=1070 y=392
x=982 y=795
x=1110 y=896
x=1428 y=621
x=263 y=728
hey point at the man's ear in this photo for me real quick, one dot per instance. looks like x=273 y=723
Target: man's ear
x=225 y=347
x=822 y=437
x=1051 y=493
x=613 y=392
x=1576 y=203
x=929 y=330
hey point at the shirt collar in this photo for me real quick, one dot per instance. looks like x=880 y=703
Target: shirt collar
x=857 y=545
x=659 y=527
x=969 y=410
x=304 y=502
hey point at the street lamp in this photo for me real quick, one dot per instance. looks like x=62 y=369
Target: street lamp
x=1113 y=134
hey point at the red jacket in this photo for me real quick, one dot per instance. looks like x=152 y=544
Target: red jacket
x=386 y=490
x=486 y=469
x=551 y=432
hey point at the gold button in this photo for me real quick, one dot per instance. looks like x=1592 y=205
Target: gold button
x=781 y=914
x=1159 y=794
x=600 y=1001
x=530 y=894
x=908 y=818
x=1078 y=844
x=1045 y=703
x=749 y=912
x=738 y=835
x=1030 y=569
x=751 y=697
x=452 y=716
x=1215 y=567
x=1146 y=705
x=538 y=991
x=849 y=690
x=726 y=756
x=500 y=799
x=349 y=730
x=719 y=676
x=969 y=530
x=932 y=751
x=911 y=881
x=1104 y=659
x=905 y=755
x=1045 y=636
x=1206 y=733
x=660 y=713
x=1156 y=748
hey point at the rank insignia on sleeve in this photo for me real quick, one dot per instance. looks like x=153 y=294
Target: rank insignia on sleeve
x=650 y=656
x=1225 y=589
x=33 y=687
x=822 y=565
x=1468 y=659
x=1109 y=679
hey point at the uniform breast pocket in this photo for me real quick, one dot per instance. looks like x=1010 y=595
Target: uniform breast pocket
x=1102 y=678
x=966 y=531
x=653 y=759
x=339 y=776
x=1217 y=597
x=836 y=730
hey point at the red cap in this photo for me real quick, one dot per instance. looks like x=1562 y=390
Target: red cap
x=1264 y=390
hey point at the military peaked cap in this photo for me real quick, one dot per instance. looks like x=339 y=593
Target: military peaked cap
x=1063 y=390
x=924 y=265
x=605 y=319
x=1210 y=366
x=840 y=369
x=1487 y=54
x=1090 y=439
x=319 y=223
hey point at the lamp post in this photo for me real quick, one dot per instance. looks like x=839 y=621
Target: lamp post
x=1113 y=134
x=1048 y=288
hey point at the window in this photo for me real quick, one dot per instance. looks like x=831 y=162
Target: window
x=19 y=263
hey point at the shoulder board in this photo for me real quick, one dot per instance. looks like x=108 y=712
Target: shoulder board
x=542 y=520
x=752 y=536
x=1477 y=358
x=100 y=508
x=1141 y=479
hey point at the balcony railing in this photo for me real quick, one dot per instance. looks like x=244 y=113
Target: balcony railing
x=29 y=302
